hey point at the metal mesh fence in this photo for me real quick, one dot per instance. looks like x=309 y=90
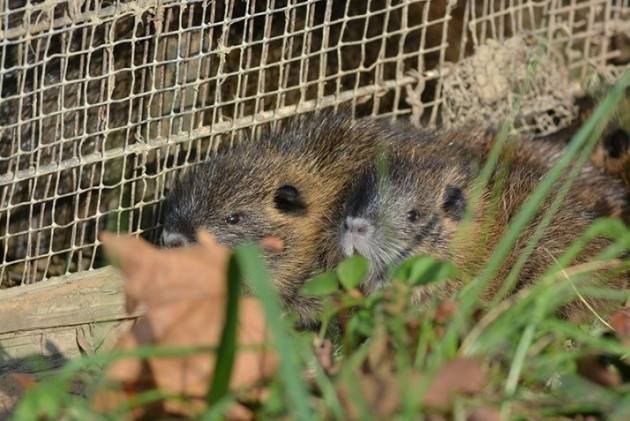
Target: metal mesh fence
x=103 y=102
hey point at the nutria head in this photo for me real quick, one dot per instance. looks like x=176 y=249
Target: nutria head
x=408 y=206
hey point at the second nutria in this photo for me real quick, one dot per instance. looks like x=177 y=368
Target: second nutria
x=417 y=204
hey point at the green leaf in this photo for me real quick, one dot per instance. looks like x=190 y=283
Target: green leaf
x=364 y=323
x=43 y=401
x=422 y=270
x=352 y=271
x=323 y=284
x=402 y=271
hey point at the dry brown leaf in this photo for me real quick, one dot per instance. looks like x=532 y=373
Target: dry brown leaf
x=12 y=388
x=381 y=394
x=461 y=375
x=593 y=368
x=382 y=389
x=445 y=311
x=380 y=358
x=355 y=293
x=620 y=321
x=183 y=292
x=26 y=381
x=485 y=413
x=436 y=417
x=324 y=354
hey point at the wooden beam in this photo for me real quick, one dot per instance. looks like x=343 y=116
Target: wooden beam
x=61 y=319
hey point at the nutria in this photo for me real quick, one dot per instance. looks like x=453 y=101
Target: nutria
x=417 y=203
x=288 y=184
x=294 y=183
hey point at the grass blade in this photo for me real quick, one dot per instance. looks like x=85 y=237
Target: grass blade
x=226 y=351
x=291 y=369
x=469 y=295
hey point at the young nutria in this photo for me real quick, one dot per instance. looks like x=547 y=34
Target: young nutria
x=287 y=184
x=415 y=205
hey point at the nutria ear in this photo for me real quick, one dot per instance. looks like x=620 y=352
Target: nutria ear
x=617 y=143
x=288 y=200
x=454 y=203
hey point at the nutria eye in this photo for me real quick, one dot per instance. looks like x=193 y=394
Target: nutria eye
x=412 y=215
x=233 y=218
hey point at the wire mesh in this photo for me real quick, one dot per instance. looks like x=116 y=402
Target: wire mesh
x=104 y=102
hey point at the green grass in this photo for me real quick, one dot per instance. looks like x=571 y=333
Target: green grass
x=254 y=270
x=226 y=352
x=531 y=354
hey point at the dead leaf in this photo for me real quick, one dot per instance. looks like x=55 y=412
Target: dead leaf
x=12 y=388
x=324 y=354
x=485 y=413
x=380 y=393
x=443 y=314
x=240 y=413
x=355 y=293
x=620 y=321
x=445 y=311
x=458 y=376
x=26 y=381
x=183 y=292
x=436 y=417
x=379 y=357
x=596 y=370
x=382 y=390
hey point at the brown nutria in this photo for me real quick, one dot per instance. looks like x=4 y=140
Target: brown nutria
x=416 y=205
x=287 y=184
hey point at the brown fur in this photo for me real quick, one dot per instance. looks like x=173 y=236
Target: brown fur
x=578 y=210
x=424 y=173
x=321 y=156
x=611 y=197
x=317 y=156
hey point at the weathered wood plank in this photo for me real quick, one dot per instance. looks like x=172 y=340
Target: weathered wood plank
x=76 y=299
x=60 y=319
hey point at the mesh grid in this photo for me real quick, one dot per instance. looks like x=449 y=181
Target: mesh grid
x=103 y=102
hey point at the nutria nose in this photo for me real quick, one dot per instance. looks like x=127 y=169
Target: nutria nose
x=358 y=226
x=174 y=239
